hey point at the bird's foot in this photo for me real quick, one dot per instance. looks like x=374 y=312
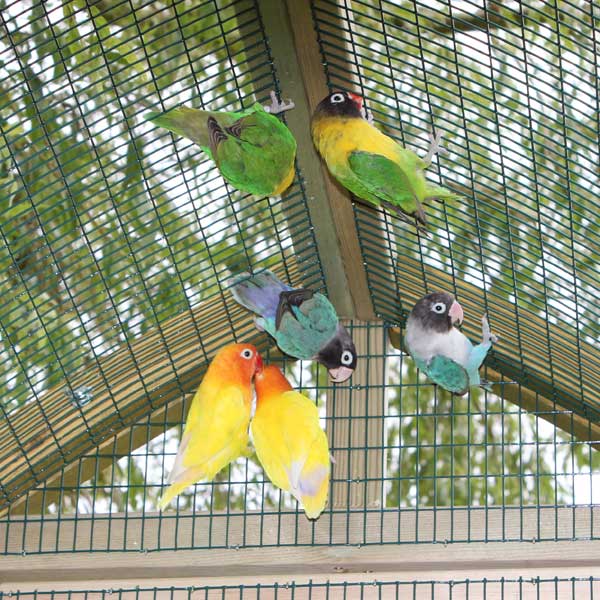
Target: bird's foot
x=276 y=107
x=367 y=115
x=486 y=334
x=435 y=147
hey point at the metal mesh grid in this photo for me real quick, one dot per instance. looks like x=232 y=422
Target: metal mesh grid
x=499 y=589
x=413 y=465
x=514 y=90
x=110 y=226
x=442 y=469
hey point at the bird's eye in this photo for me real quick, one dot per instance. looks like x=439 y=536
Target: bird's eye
x=337 y=98
x=347 y=357
x=247 y=354
x=439 y=308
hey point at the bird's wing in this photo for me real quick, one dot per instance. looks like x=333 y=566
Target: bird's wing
x=305 y=329
x=293 y=449
x=216 y=432
x=256 y=153
x=216 y=428
x=448 y=374
x=387 y=180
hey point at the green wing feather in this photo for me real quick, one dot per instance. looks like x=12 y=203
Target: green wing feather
x=258 y=153
x=446 y=373
x=305 y=332
x=385 y=180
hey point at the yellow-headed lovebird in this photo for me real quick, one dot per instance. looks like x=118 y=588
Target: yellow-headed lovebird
x=252 y=148
x=439 y=349
x=216 y=430
x=289 y=441
x=369 y=163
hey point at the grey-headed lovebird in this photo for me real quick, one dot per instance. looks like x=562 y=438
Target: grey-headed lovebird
x=304 y=323
x=440 y=349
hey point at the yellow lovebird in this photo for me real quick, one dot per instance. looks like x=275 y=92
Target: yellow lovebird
x=369 y=163
x=289 y=441
x=216 y=430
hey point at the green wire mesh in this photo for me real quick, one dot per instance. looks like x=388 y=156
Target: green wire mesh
x=484 y=589
x=114 y=232
x=438 y=469
x=514 y=90
x=110 y=225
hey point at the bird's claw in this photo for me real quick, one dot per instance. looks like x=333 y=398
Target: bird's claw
x=276 y=106
x=367 y=115
x=486 y=334
x=435 y=146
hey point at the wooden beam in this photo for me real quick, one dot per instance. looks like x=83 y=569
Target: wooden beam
x=299 y=64
x=351 y=544
x=356 y=427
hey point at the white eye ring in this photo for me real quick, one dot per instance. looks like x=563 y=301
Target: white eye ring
x=439 y=308
x=246 y=353
x=337 y=98
x=347 y=357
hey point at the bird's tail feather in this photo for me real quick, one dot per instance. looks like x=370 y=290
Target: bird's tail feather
x=187 y=478
x=313 y=492
x=439 y=193
x=188 y=122
x=258 y=293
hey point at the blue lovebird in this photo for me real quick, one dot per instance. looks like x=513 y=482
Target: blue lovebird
x=439 y=349
x=304 y=323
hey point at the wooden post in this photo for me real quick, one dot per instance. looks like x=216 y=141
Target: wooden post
x=290 y=29
x=356 y=425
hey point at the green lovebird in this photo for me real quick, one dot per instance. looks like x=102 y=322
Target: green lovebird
x=442 y=351
x=369 y=163
x=252 y=148
x=304 y=323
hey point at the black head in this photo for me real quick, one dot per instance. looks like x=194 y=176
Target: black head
x=438 y=311
x=339 y=355
x=340 y=104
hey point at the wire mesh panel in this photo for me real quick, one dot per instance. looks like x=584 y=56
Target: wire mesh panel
x=501 y=589
x=111 y=227
x=119 y=240
x=513 y=88
x=440 y=469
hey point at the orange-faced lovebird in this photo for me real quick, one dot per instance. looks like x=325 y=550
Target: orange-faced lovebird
x=289 y=441
x=216 y=430
x=252 y=148
x=439 y=349
x=304 y=323
x=369 y=163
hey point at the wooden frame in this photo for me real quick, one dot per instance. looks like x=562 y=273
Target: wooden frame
x=358 y=547
x=142 y=381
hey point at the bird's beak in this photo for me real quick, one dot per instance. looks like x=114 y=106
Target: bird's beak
x=356 y=98
x=340 y=374
x=259 y=364
x=456 y=313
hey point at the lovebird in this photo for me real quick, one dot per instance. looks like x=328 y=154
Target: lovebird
x=439 y=349
x=304 y=323
x=369 y=163
x=252 y=148
x=216 y=430
x=289 y=441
